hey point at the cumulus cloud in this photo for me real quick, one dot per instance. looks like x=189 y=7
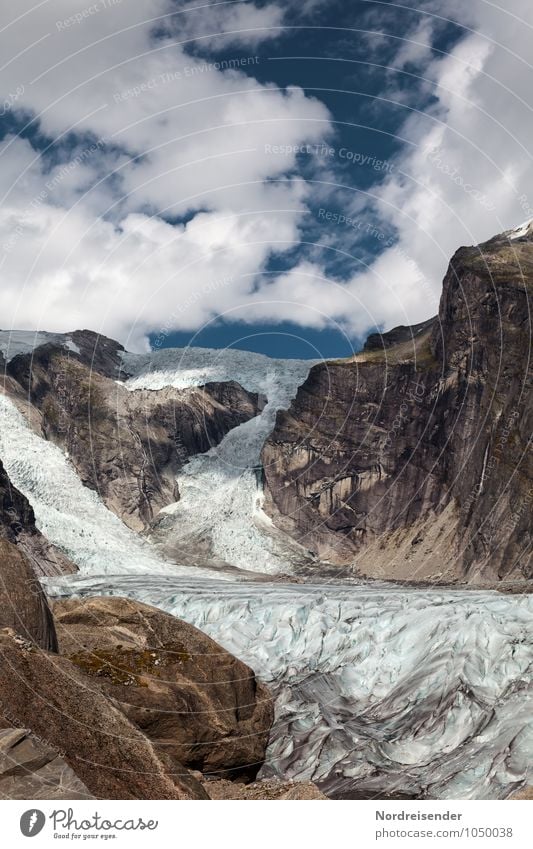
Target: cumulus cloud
x=466 y=175
x=160 y=203
x=149 y=134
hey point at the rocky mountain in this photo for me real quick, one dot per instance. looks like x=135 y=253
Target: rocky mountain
x=127 y=446
x=412 y=459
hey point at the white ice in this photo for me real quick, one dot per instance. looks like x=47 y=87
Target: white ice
x=379 y=689
x=521 y=231
x=70 y=515
x=220 y=491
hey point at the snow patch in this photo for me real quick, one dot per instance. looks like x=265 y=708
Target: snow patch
x=521 y=231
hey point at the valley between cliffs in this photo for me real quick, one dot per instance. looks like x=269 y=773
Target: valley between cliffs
x=329 y=562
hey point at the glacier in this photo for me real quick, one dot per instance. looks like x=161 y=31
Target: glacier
x=70 y=515
x=15 y=342
x=220 y=491
x=380 y=689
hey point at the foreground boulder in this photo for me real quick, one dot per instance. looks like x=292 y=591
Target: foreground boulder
x=32 y=769
x=23 y=605
x=49 y=695
x=199 y=705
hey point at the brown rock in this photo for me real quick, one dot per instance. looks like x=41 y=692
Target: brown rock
x=263 y=790
x=51 y=696
x=410 y=460
x=192 y=698
x=23 y=605
x=525 y=793
x=128 y=446
x=31 y=769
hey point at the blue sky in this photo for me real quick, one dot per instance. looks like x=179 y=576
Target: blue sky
x=281 y=177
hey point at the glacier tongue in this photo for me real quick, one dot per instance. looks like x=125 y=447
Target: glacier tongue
x=380 y=689
x=220 y=493
x=72 y=516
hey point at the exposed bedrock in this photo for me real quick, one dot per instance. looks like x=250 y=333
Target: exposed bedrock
x=199 y=705
x=32 y=769
x=411 y=460
x=23 y=605
x=128 y=446
x=52 y=697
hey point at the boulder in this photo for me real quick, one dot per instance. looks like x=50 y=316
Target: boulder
x=23 y=605
x=66 y=709
x=193 y=699
x=32 y=769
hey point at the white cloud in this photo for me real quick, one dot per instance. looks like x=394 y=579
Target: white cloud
x=467 y=176
x=188 y=138
x=173 y=134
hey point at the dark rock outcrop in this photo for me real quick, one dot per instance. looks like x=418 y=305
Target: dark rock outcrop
x=23 y=605
x=32 y=769
x=199 y=705
x=66 y=709
x=411 y=460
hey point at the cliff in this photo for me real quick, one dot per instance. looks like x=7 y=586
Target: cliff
x=411 y=460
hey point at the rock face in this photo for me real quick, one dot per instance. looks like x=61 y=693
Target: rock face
x=23 y=605
x=199 y=705
x=31 y=769
x=128 y=446
x=17 y=525
x=410 y=460
x=64 y=708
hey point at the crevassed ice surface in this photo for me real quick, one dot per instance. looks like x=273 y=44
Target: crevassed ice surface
x=379 y=689
x=70 y=515
x=220 y=492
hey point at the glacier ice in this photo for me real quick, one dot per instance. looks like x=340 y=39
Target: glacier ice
x=15 y=342
x=380 y=689
x=70 y=515
x=220 y=492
